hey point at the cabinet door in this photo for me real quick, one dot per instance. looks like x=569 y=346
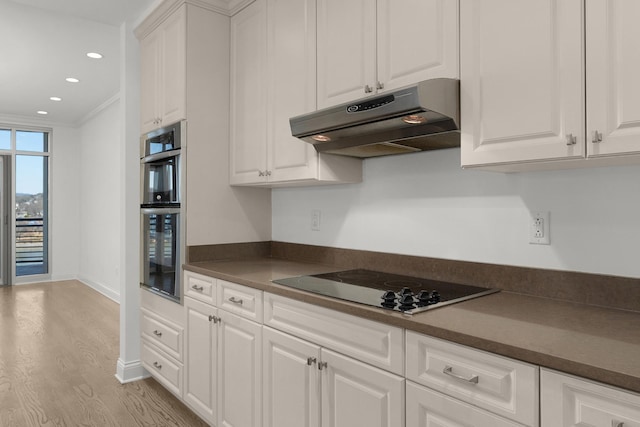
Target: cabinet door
x=522 y=85
x=428 y=408
x=239 y=372
x=613 y=67
x=149 y=82
x=572 y=402
x=291 y=387
x=249 y=94
x=346 y=50
x=201 y=359
x=356 y=394
x=292 y=87
x=173 y=63
x=416 y=40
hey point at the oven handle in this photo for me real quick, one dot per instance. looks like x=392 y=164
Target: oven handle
x=159 y=156
x=159 y=211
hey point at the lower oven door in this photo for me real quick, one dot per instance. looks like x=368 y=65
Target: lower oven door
x=160 y=269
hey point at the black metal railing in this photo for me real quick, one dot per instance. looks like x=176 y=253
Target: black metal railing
x=29 y=240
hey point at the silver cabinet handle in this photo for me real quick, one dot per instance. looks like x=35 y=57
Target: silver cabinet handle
x=571 y=140
x=157 y=365
x=260 y=173
x=368 y=89
x=322 y=365
x=448 y=370
x=597 y=137
x=379 y=85
x=615 y=423
x=197 y=288
x=235 y=301
x=157 y=333
x=268 y=173
x=214 y=319
x=311 y=360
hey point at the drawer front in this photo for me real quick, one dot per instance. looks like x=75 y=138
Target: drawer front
x=426 y=407
x=498 y=384
x=371 y=342
x=163 y=369
x=165 y=335
x=200 y=287
x=241 y=300
x=571 y=401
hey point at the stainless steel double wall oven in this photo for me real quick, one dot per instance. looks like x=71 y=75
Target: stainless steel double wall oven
x=161 y=210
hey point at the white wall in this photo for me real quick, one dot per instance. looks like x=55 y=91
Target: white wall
x=423 y=204
x=100 y=201
x=65 y=206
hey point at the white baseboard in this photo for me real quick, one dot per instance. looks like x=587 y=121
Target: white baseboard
x=104 y=290
x=127 y=372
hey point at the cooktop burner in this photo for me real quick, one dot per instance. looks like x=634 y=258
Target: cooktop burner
x=391 y=291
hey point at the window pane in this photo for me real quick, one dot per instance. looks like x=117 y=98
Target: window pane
x=31 y=215
x=31 y=141
x=5 y=139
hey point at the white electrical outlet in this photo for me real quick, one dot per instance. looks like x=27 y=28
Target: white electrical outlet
x=315 y=220
x=539 y=228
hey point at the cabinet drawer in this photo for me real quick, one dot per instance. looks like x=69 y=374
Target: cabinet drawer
x=200 y=287
x=164 y=334
x=504 y=386
x=371 y=342
x=163 y=369
x=571 y=401
x=428 y=407
x=241 y=300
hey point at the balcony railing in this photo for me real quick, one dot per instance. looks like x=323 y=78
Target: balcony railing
x=30 y=246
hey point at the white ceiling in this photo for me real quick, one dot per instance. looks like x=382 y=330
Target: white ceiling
x=45 y=41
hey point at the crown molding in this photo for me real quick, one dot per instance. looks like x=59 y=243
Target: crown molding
x=167 y=7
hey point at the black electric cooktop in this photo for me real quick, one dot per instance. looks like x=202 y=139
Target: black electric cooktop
x=407 y=294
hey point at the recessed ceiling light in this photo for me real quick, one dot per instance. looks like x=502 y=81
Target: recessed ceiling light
x=55 y=98
x=321 y=138
x=72 y=80
x=43 y=112
x=94 y=55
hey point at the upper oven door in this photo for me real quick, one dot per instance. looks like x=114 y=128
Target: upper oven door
x=161 y=180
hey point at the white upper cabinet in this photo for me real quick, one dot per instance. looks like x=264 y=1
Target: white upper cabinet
x=521 y=80
x=523 y=71
x=369 y=46
x=273 y=69
x=163 y=67
x=613 y=67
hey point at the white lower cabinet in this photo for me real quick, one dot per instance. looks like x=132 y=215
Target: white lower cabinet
x=239 y=372
x=496 y=384
x=306 y=385
x=569 y=401
x=223 y=379
x=428 y=408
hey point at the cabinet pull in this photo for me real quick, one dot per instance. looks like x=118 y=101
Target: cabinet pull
x=157 y=365
x=157 y=333
x=197 y=288
x=597 y=137
x=379 y=85
x=235 y=301
x=322 y=365
x=311 y=360
x=571 y=140
x=368 y=89
x=615 y=423
x=268 y=173
x=214 y=319
x=260 y=173
x=448 y=370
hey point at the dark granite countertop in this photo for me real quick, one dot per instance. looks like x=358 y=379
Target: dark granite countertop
x=601 y=344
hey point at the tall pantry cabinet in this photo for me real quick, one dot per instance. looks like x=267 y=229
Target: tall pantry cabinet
x=524 y=68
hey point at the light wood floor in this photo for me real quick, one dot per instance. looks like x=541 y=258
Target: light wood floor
x=58 y=350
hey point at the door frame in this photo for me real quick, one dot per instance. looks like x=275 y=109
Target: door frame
x=6 y=218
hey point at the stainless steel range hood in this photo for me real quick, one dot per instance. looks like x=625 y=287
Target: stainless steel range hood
x=425 y=116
